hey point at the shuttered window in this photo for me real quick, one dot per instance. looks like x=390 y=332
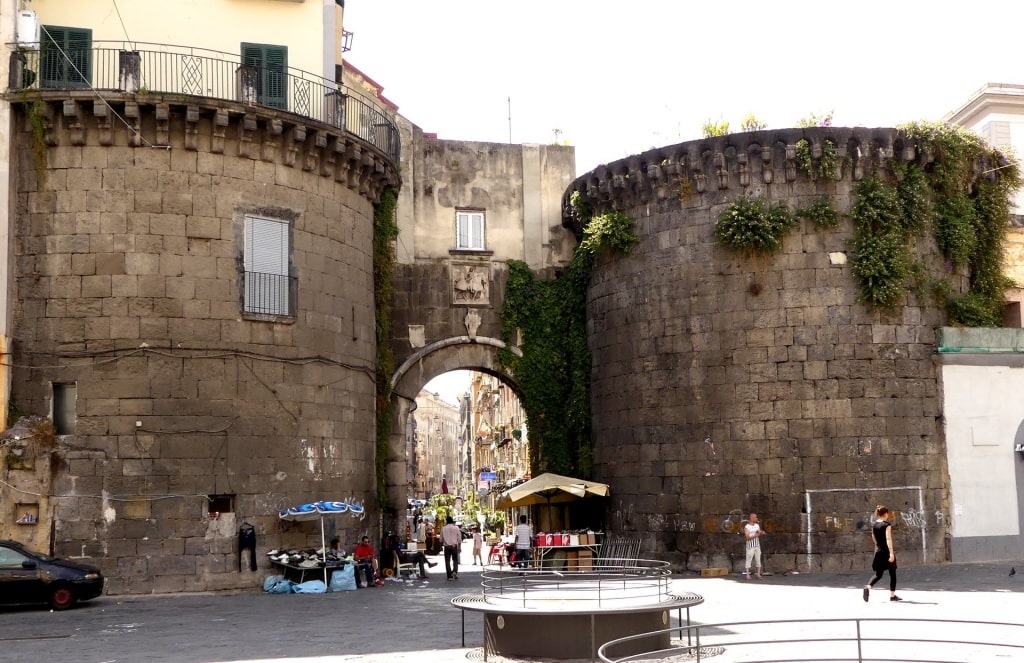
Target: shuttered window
x=271 y=64
x=71 y=68
x=469 y=230
x=267 y=249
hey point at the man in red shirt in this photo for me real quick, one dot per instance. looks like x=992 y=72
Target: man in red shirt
x=363 y=556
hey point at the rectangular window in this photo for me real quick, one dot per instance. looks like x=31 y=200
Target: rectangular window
x=65 y=398
x=66 y=58
x=271 y=64
x=469 y=231
x=218 y=504
x=267 y=258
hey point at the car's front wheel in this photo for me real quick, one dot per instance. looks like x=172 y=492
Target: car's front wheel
x=61 y=597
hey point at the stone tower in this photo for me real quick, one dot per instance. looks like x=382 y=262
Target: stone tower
x=724 y=385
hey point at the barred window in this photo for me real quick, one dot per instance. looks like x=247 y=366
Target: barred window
x=267 y=258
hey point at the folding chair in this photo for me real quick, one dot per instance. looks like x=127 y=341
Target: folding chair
x=403 y=570
x=497 y=552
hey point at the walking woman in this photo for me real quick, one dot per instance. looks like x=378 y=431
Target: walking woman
x=885 y=553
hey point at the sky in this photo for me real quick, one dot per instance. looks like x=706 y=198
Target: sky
x=450 y=386
x=618 y=78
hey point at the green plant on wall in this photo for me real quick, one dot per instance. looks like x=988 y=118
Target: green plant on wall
x=750 y=122
x=711 y=129
x=385 y=232
x=820 y=213
x=967 y=215
x=553 y=373
x=36 y=112
x=750 y=227
x=960 y=189
x=826 y=166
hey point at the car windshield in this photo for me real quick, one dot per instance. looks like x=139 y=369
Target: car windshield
x=35 y=553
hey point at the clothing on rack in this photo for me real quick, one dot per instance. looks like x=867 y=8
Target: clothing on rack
x=247 y=540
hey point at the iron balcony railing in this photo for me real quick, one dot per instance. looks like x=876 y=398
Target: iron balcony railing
x=270 y=294
x=181 y=70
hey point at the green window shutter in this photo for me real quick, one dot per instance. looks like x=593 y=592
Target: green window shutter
x=73 y=67
x=272 y=64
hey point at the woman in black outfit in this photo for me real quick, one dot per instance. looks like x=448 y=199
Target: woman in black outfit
x=885 y=553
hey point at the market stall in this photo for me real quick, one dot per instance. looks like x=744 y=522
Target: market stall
x=314 y=511
x=554 y=491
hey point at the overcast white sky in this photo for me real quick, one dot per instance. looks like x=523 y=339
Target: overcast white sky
x=617 y=78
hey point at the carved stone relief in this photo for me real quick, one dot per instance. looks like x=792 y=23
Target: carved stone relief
x=471 y=284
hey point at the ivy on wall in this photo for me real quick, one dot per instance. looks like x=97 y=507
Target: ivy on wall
x=966 y=210
x=553 y=373
x=385 y=232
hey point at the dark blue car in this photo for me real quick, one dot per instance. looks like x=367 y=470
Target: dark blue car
x=27 y=576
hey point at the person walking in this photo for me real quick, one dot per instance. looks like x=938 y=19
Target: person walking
x=885 y=553
x=752 y=533
x=451 y=539
x=478 y=545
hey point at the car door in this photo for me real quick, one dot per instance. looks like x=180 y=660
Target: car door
x=21 y=580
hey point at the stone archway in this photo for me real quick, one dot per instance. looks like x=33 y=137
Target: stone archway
x=476 y=353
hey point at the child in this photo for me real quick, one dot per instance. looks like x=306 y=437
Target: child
x=478 y=546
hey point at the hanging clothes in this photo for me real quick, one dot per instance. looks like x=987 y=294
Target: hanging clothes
x=247 y=540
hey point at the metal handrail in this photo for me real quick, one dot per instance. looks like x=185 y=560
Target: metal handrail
x=184 y=70
x=702 y=646
x=604 y=585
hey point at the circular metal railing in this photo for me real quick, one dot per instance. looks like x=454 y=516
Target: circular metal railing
x=827 y=640
x=615 y=583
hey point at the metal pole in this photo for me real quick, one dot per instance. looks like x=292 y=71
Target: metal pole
x=698 y=644
x=593 y=640
x=859 y=655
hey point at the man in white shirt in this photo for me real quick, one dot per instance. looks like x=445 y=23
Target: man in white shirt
x=451 y=539
x=752 y=532
x=524 y=539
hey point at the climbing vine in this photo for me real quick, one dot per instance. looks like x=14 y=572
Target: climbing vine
x=959 y=189
x=967 y=214
x=553 y=373
x=36 y=112
x=385 y=231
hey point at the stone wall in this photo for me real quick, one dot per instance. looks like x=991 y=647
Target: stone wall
x=130 y=286
x=724 y=385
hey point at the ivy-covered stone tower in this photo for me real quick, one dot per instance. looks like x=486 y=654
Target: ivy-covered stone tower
x=768 y=343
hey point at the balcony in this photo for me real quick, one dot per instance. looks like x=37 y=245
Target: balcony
x=181 y=70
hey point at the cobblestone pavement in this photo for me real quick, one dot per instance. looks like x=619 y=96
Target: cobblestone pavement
x=414 y=621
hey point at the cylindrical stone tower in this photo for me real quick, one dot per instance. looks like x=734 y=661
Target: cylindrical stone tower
x=194 y=305
x=724 y=385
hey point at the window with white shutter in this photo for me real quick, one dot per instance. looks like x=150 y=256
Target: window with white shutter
x=267 y=257
x=469 y=231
